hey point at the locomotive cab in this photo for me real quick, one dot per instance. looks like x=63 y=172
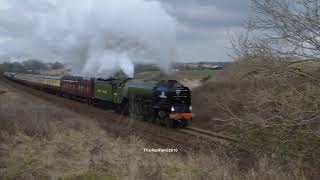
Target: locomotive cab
x=173 y=101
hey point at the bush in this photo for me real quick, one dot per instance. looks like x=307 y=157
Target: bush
x=269 y=105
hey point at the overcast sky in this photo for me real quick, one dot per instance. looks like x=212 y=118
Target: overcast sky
x=203 y=27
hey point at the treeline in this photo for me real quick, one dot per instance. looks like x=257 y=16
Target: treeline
x=29 y=65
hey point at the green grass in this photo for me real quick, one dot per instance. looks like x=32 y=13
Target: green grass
x=147 y=75
x=198 y=73
x=186 y=74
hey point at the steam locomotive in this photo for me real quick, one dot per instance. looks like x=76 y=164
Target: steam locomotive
x=163 y=102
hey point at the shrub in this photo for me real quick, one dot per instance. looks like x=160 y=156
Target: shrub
x=269 y=105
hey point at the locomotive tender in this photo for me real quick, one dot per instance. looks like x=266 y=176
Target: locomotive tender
x=162 y=102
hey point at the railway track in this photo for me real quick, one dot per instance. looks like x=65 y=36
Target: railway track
x=215 y=137
x=196 y=138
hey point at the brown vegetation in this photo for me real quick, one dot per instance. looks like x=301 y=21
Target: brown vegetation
x=272 y=106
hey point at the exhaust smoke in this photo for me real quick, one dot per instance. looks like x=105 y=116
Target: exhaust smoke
x=94 y=37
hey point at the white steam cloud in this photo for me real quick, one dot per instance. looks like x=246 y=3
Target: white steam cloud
x=93 y=36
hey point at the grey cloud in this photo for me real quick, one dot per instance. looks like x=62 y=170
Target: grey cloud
x=208 y=14
x=201 y=26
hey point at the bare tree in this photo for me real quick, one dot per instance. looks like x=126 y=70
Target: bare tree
x=247 y=45
x=282 y=27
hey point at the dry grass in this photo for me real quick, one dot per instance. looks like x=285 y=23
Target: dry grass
x=42 y=141
x=270 y=106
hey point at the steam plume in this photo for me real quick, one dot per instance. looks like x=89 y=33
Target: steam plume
x=92 y=36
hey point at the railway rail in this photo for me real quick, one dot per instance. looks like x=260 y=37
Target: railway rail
x=215 y=137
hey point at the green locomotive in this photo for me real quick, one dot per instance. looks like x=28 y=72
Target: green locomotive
x=164 y=102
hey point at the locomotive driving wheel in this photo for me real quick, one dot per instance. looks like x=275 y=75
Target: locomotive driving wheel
x=168 y=122
x=185 y=123
x=158 y=121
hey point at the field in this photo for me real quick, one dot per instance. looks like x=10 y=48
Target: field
x=190 y=78
x=42 y=140
x=196 y=74
x=183 y=74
